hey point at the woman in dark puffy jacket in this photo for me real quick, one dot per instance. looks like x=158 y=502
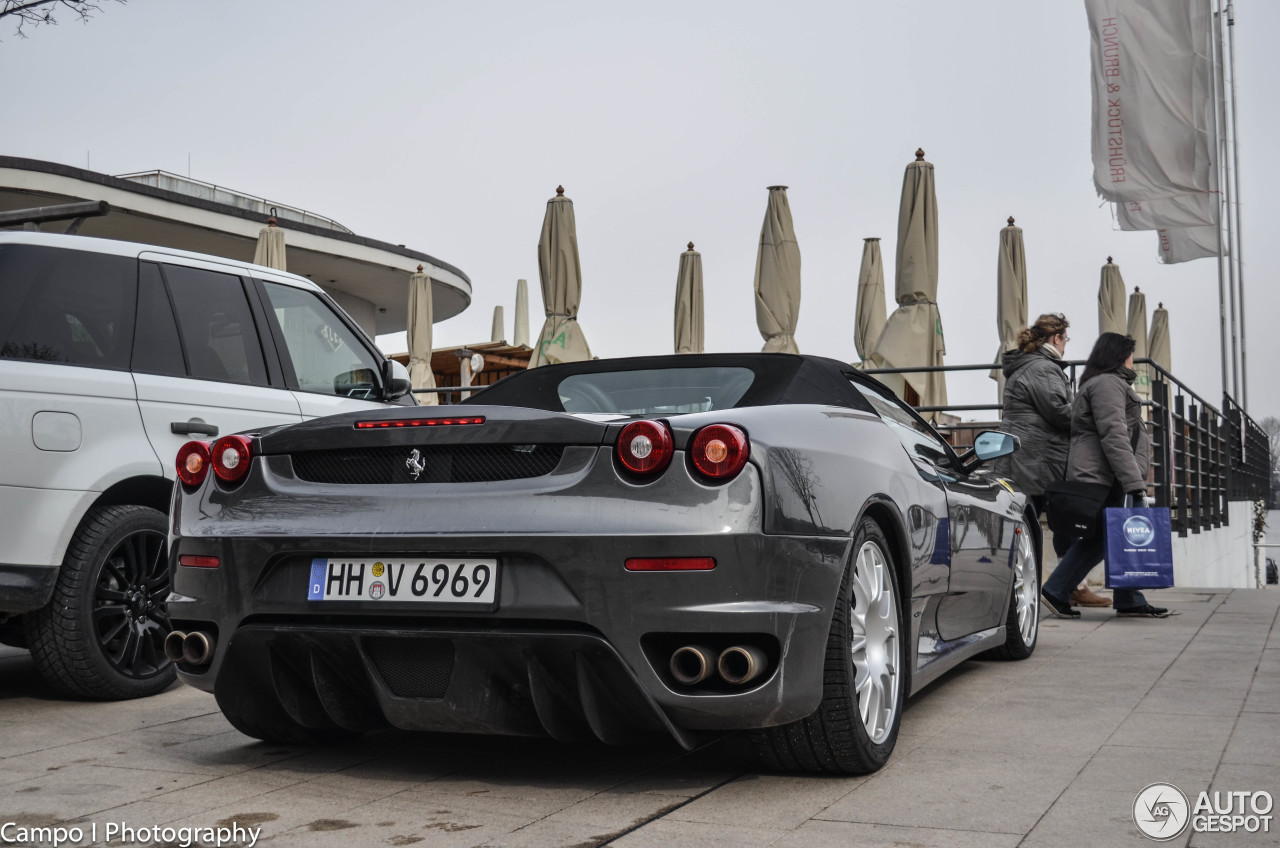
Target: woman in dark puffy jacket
x=1037 y=405
x=1110 y=447
x=1037 y=409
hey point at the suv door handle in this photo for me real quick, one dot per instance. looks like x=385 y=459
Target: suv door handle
x=195 y=426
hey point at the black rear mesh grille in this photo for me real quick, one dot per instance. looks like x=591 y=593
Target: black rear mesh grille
x=413 y=668
x=439 y=464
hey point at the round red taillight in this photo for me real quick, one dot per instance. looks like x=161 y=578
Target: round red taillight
x=645 y=447
x=230 y=458
x=719 y=451
x=193 y=463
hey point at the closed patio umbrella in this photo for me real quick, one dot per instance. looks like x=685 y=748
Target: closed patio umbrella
x=520 y=332
x=1138 y=329
x=498 y=332
x=1011 y=296
x=689 y=319
x=913 y=334
x=870 y=316
x=777 y=282
x=1158 y=342
x=270 y=248
x=418 y=336
x=561 y=339
x=1111 y=300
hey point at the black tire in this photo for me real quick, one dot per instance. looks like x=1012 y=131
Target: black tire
x=101 y=634
x=1024 y=596
x=835 y=739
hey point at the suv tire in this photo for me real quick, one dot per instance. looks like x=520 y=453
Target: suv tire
x=101 y=635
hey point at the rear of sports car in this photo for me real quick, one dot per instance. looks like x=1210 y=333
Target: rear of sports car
x=496 y=569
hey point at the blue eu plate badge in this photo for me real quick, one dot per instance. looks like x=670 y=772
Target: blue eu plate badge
x=319 y=567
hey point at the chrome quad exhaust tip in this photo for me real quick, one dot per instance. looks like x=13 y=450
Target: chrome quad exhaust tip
x=741 y=664
x=692 y=664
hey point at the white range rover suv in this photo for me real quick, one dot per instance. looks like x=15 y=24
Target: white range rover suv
x=112 y=356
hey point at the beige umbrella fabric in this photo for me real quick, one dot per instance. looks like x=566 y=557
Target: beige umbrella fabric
x=777 y=281
x=520 y=332
x=498 y=332
x=561 y=339
x=1011 y=296
x=1111 y=301
x=869 y=320
x=1138 y=329
x=689 y=325
x=418 y=335
x=913 y=334
x=1158 y=342
x=270 y=248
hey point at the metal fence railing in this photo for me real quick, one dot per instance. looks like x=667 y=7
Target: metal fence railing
x=1202 y=456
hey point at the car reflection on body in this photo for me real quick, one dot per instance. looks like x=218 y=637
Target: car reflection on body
x=681 y=545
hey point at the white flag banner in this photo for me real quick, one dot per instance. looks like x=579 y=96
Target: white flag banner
x=1186 y=210
x=1187 y=244
x=1152 y=75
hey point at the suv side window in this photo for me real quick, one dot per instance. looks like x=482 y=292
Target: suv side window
x=216 y=325
x=67 y=306
x=156 y=346
x=910 y=430
x=327 y=357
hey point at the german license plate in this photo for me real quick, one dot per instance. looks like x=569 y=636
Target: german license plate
x=437 y=581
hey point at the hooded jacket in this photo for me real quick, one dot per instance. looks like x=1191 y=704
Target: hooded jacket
x=1109 y=441
x=1037 y=409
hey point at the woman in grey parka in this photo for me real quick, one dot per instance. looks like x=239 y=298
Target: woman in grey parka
x=1110 y=447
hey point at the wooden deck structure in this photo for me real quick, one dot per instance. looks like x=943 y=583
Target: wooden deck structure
x=452 y=366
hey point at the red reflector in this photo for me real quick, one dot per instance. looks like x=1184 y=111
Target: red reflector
x=193 y=561
x=671 y=564
x=417 y=422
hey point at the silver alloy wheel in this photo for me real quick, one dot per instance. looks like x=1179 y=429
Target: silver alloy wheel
x=1026 y=586
x=873 y=620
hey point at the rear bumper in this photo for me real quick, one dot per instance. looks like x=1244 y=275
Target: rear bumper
x=24 y=588
x=577 y=646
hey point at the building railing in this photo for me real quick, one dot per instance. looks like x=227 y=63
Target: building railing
x=1202 y=457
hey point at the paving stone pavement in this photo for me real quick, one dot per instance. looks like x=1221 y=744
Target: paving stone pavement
x=1047 y=752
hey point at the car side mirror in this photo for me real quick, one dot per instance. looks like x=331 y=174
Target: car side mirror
x=990 y=444
x=395 y=379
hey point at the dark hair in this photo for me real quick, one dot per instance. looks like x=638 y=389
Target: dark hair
x=1109 y=353
x=1046 y=327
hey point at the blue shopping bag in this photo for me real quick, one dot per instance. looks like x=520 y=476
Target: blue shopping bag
x=1139 y=548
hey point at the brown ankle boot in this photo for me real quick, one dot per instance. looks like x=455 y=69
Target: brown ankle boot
x=1086 y=597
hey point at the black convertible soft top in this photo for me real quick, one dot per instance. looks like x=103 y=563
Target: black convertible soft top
x=779 y=378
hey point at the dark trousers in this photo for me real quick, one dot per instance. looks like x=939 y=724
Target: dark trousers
x=1083 y=555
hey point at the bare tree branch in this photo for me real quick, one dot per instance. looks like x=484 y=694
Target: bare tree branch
x=34 y=13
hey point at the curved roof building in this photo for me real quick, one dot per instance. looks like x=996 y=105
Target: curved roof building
x=369 y=278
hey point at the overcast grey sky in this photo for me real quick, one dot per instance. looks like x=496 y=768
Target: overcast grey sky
x=446 y=127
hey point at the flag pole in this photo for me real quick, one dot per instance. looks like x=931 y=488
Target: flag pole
x=1219 y=122
x=1235 y=155
x=1226 y=185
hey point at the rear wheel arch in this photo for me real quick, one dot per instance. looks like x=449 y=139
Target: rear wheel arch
x=891 y=524
x=149 y=491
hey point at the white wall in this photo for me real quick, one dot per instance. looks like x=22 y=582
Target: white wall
x=358 y=308
x=1220 y=557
